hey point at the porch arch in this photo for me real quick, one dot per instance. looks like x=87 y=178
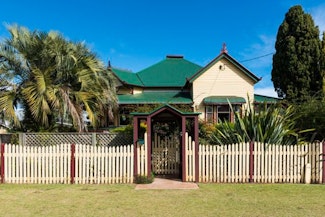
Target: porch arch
x=162 y=112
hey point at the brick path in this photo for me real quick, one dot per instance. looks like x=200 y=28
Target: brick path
x=160 y=183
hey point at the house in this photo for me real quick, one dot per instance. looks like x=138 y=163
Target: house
x=170 y=98
x=175 y=81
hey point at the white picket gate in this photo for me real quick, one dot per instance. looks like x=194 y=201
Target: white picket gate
x=165 y=155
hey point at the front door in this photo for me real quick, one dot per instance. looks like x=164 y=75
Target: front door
x=166 y=156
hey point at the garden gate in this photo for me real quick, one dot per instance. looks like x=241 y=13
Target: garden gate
x=166 y=156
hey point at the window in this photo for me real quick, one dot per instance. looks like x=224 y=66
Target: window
x=214 y=113
x=209 y=114
x=223 y=113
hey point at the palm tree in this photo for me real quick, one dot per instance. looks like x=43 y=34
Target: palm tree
x=50 y=77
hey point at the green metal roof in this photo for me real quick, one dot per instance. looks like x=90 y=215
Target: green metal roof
x=261 y=99
x=211 y=100
x=230 y=59
x=127 y=77
x=171 y=72
x=156 y=97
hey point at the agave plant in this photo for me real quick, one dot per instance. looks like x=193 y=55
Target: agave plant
x=269 y=124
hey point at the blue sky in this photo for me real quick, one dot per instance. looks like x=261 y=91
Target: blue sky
x=137 y=34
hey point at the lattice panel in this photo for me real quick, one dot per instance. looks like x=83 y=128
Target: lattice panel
x=113 y=139
x=76 y=138
x=56 y=138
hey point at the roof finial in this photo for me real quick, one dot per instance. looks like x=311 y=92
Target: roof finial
x=224 y=48
x=109 y=64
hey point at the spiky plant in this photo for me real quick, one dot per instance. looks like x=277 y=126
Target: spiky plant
x=269 y=124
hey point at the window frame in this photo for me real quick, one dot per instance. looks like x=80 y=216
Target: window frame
x=216 y=112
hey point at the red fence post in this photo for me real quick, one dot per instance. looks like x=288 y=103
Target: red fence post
x=72 y=163
x=251 y=161
x=323 y=158
x=2 y=163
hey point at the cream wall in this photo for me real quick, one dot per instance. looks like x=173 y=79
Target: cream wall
x=137 y=90
x=221 y=79
x=134 y=90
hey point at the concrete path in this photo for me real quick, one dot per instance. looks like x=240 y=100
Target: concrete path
x=160 y=183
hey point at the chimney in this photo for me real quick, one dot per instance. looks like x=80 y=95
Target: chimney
x=174 y=56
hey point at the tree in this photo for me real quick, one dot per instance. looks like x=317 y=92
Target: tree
x=323 y=62
x=296 y=70
x=311 y=115
x=50 y=78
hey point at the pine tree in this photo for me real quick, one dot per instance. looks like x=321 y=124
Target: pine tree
x=296 y=72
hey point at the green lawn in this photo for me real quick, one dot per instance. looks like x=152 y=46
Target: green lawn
x=123 y=200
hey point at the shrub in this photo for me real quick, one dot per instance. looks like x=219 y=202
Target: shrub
x=205 y=131
x=141 y=179
x=312 y=115
x=128 y=129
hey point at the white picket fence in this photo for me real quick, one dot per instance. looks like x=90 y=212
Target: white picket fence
x=115 y=164
x=103 y=164
x=52 y=164
x=142 y=156
x=272 y=163
x=189 y=159
x=37 y=164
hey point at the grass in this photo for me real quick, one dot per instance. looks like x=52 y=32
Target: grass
x=123 y=200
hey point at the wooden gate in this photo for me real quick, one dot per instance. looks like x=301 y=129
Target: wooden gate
x=166 y=156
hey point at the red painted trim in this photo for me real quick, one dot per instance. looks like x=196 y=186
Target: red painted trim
x=184 y=169
x=323 y=162
x=2 y=163
x=251 y=161
x=72 y=165
x=149 y=144
x=135 y=145
x=196 y=137
x=164 y=109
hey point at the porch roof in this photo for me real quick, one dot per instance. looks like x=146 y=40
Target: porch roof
x=166 y=106
x=267 y=99
x=156 y=97
x=211 y=100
